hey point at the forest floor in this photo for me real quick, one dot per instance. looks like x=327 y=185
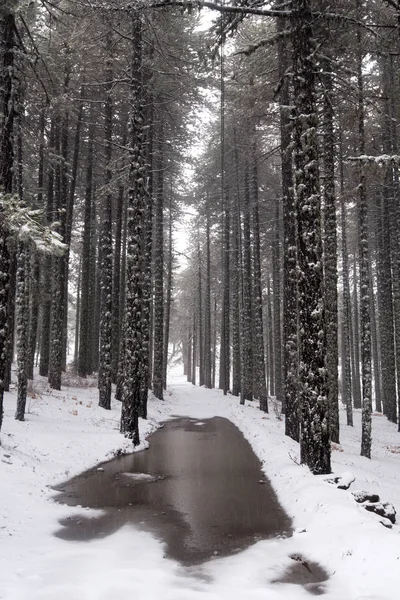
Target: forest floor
x=65 y=433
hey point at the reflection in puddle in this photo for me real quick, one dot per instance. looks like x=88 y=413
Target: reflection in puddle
x=196 y=488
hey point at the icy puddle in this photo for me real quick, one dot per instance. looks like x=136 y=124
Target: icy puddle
x=199 y=488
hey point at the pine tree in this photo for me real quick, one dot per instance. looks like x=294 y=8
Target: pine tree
x=314 y=439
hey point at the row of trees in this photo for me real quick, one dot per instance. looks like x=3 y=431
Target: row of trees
x=94 y=107
x=310 y=186
x=300 y=173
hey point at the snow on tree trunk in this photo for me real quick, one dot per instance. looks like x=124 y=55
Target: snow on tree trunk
x=365 y=310
x=290 y=334
x=330 y=253
x=85 y=327
x=106 y=269
x=258 y=347
x=135 y=358
x=158 y=343
x=22 y=306
x=247 y=311
x=207 y=304
x=7 y=42
x=314 y=435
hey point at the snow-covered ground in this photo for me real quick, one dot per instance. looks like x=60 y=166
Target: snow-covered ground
x=65 y=433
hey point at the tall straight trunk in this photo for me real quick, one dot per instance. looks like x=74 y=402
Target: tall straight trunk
x=70 y=202
x=330 y=253
x=58 y=273
x=207 y=304
x=121 y=347
x=214 y=345
x=78 y=314
x=314 y=438
x=168 y=298
x=276 y=270
x=106 y=268
x=270 y=336
x=247 y=313
x=200 y=314
x=355 y=345
x=225 y=363
x=9 y=344
x=7 y=47
x=189 y=353
x=374 y=340
x=96 y=293
x=385 y=272
x=365 y=308
x=85 y=326
x=22 y=305
x=290 y=341
x=46 y=272
x=116 y=277
x=116 y=287
x=64 y=199
x=194 y=348
x=33 y=282
x=34 y=296
x=259 y=358
x=235 y=295
x=149 y=236
x=346 y=309
x=158 y=343
x=135 y=355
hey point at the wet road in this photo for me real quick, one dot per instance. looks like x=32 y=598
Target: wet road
x=197 y=488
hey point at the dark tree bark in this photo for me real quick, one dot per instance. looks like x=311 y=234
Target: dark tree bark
x=7 y=46
x=46 y=298
x=199 y=309
x=135 y=356
x=330 y=253
x=247 y=312
x=168 y=298
x=290 y=340
x=259 y=358
x=158 y=343
x=106 y=268
x=236 y=285
x=85 y=327
x=224 y=361
x=365 y=309
x=33 y=299
x=346 y=312
x=207 y=304
x=22 y=305
x=314 y=439
x=276 y=271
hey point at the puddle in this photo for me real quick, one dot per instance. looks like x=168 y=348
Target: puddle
x=197 y=488
x=306 y=573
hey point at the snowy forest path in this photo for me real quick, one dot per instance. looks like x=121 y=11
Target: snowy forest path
x=199 y=488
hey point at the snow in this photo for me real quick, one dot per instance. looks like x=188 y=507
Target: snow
x=65 y=433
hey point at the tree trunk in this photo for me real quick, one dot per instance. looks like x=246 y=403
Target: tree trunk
x=330 y=253
x=22 y=306
x=135 y=356
x=168 y=298
x=158 y=347
x=7 y=47
x=207 y=304
x=106 y=269
x=314 y=439
x=85 y=327
x=365 y=309
x=247 y=345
